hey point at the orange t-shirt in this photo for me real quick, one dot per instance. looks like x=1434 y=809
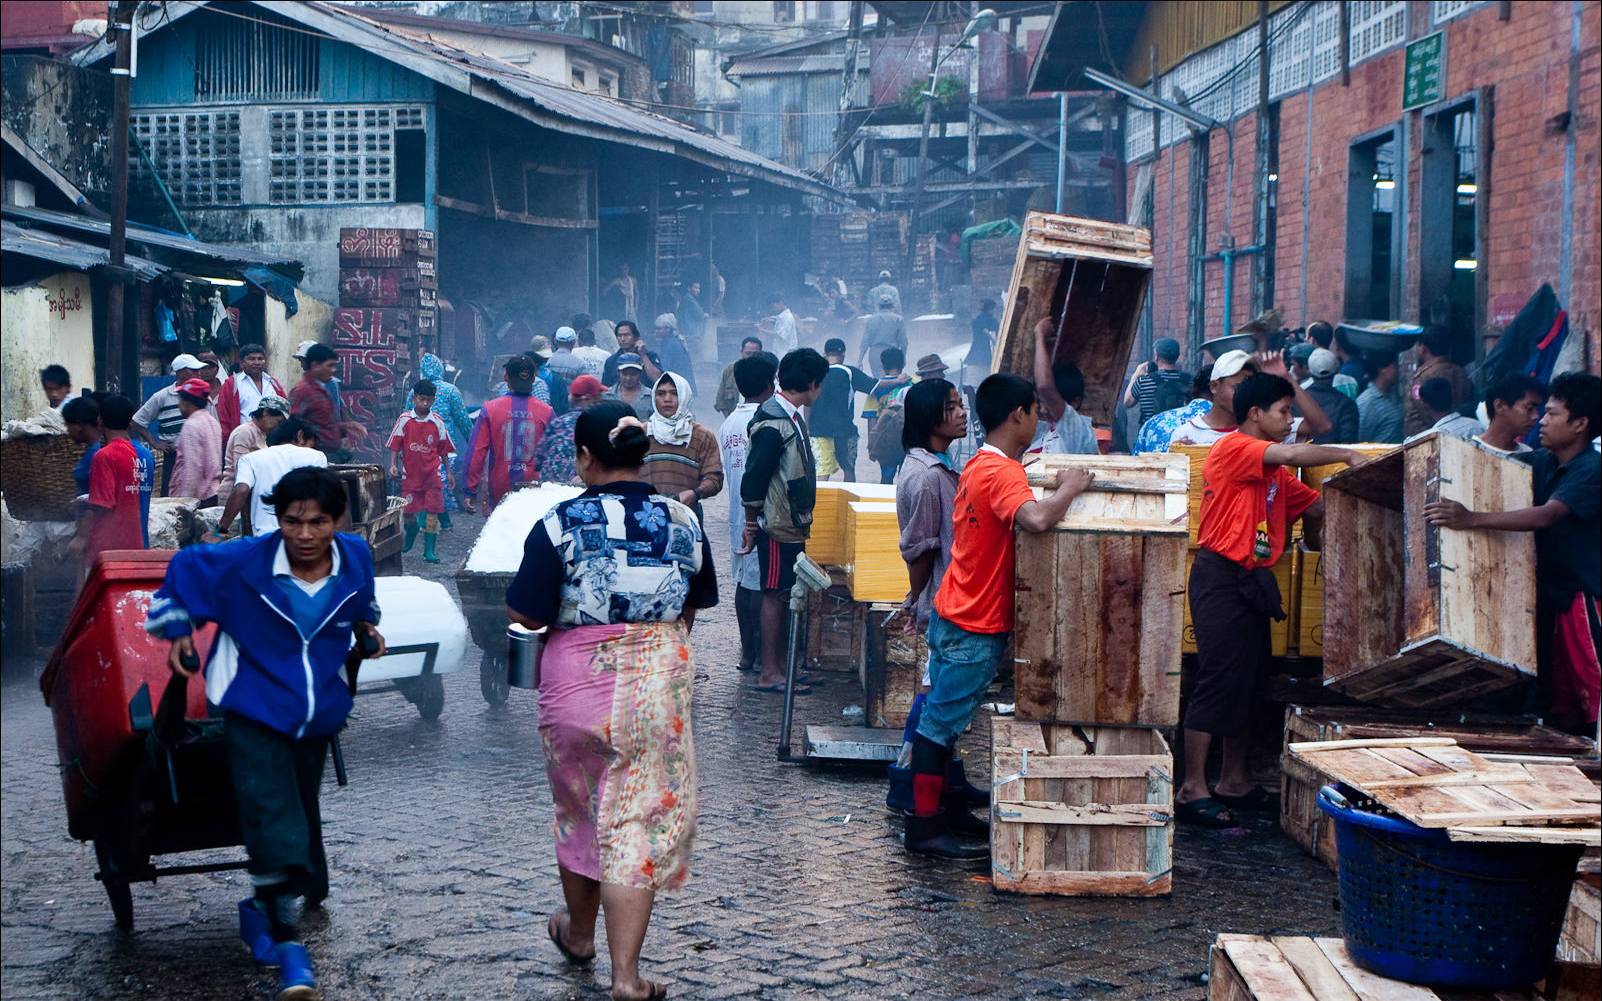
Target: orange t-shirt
x=976 y=592
x=1247 y=507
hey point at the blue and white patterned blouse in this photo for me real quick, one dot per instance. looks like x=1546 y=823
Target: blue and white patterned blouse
x=615 y=553
x=1155 y=434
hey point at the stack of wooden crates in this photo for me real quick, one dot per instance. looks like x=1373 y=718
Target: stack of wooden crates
x=1082 y=777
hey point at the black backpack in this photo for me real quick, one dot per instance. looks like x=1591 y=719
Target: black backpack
x=1173 y=391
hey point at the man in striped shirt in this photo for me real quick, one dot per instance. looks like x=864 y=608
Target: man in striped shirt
x=159 y=421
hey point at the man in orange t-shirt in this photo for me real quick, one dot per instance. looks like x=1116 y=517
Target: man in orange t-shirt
x=1250 y=499
x=973 y=607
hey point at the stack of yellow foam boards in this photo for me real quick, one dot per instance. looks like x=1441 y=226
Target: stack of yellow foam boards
x=826 y=544
x=874 y=568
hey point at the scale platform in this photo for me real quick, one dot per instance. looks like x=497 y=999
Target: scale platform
x=865 y=744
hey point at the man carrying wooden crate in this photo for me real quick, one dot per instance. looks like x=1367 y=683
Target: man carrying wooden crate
x=1250 y=499
x=973 y=609
x=1568 y=541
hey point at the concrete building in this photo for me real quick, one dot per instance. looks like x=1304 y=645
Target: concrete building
x=1429 y=162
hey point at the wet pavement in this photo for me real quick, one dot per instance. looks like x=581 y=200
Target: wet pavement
x=443 y=873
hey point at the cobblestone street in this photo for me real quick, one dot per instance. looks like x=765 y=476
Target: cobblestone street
x=443 y=874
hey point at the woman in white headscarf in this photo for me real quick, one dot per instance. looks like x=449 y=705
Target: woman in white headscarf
x=683 y=461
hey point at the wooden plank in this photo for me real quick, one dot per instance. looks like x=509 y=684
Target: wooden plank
x=1446 y=779
x=1362 y=562
x=1311 y=747
x=1323 y=980
x=1052 y=766
x=1035 y=626
x=1264 y=969
x=1223 y=980
x=1369 y=986
x=1589 y=836
x=1086 y=884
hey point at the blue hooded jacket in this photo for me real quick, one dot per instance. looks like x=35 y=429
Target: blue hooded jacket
x=261 y=666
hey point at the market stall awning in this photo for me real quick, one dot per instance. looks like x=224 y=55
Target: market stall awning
x=157 y=239
x=45 y=246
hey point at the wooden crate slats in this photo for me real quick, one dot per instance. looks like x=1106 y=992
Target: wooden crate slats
x=1081 y=809
x=1296 y=968
x=1434 y=783
x=1362 y=552
x=1131 y=493
x=1581 y=938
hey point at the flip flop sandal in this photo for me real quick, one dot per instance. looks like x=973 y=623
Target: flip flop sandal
x=1258 y=799
x=1206 y=812
x=556 y=940
x=800 y=689
x=659 y=990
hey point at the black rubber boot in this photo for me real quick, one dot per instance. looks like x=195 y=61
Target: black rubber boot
x=971 y=796
x=932 y=836
x=962 y=823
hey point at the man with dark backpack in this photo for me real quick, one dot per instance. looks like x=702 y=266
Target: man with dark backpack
x=882 y=411
x=1159 y=384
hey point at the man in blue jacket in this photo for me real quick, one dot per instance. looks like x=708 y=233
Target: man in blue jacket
x=287 y=606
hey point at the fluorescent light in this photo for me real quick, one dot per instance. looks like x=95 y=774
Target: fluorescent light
x=1465 y=264
x=1273 y=178
x=1468 y=189
x=225 y=282
x=1386 y=185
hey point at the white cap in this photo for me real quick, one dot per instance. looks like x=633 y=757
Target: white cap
x=187 y=361
x=885 y=273
x=1231 y=362
x=1322 y=363
x=668 y=320
x=302 y=348
x=565 y=335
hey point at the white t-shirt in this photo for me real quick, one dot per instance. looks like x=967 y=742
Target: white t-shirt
x=261 y=471
x=734 y=442
x=1196 y=432
x=784 y=333
x=1518 y=446
x=593 y=359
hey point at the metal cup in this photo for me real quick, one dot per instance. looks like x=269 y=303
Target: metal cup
x=523 y=648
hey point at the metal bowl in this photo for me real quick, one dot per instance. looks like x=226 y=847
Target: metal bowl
x=1380 y=336
x=1219 y=346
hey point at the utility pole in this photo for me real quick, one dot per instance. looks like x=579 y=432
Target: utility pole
x=121 y=22
x=905 y=279
x=848 y=87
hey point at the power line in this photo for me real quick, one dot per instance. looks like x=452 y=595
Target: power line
x=894 y=76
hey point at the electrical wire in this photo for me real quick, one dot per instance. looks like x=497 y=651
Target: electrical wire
x=902 y=65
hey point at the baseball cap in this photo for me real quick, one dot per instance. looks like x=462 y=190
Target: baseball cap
x=187 y=361
x=668 y=320
x=540 y=345
x=1322 y=363
x=302 y=348
x=1231 y=362
x=1300 y=353
x=195 y=387
x=584 y=387
x=885 y=273
x=1166 y=348
x=931 y=366
x=629 y=360
x=271 y=404
x=566 y=335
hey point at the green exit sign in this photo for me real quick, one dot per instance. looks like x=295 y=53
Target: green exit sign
x=1424 y=80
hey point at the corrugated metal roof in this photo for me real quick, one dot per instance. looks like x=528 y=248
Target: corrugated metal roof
x=821 y=63
x=43 y=246
x=230 y=253
x=516 y=90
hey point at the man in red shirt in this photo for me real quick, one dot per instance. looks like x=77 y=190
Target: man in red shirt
x=312 y=403
x=973 y=607
x=505 y=435
x=120 y=480
x=1250 y=498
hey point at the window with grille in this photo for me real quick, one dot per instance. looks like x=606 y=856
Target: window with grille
x=1377 y=25
x=195 y=154
x=1445 y=10
x=1326 y=41
x=335 y=155
x=252 y=60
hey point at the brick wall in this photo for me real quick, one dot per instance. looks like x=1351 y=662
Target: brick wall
x=1524 y=61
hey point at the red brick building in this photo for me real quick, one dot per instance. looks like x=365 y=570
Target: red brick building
x=1454 y=210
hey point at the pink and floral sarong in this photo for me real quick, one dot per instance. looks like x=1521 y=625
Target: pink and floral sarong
x=615 y=721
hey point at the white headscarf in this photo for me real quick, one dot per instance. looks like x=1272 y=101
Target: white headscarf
x=673 y=430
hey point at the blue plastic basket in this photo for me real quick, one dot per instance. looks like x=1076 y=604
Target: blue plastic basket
x=1419 y=907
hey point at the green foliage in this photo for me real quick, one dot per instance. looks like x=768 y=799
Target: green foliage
x=946 y=91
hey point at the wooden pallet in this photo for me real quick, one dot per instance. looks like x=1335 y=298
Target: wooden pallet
x=1089 y=276
x=1299 y=816
x=1081 y=810
x=1435 y=783
x=1299 y=968
x=1099 y=599
x=1407 y=602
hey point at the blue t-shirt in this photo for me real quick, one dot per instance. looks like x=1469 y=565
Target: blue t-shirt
x=147 y=484
x=80 y=472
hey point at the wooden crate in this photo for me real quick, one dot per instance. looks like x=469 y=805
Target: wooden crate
x=1581 y=938
x=1424 y=615
x=1299 y=968
x=891 y=668
x=365 y=490
x=1314 y=476
x=1308 y=826
x=385 y=248
x=874 y=568
x=1280 y=632
x=834 y=630
x=1091 y=277
x=1081 y=810
x=1099 y=599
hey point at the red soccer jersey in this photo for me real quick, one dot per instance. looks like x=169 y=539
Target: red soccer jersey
x=115 y=476
x=423 y=444
x=1247 y=507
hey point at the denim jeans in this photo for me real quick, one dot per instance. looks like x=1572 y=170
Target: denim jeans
x=961 y=667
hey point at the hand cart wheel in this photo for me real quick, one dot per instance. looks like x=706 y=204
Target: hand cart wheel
x=492 y=678
x=116 y=883
x=430 y=697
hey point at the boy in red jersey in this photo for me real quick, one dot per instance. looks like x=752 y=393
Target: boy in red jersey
x=420 y=442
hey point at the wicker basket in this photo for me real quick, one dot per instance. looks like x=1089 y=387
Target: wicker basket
x=36 y=476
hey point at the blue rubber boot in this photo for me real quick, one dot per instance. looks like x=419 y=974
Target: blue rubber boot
x=296 y=980
x=899 y=795
x=256 y=933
